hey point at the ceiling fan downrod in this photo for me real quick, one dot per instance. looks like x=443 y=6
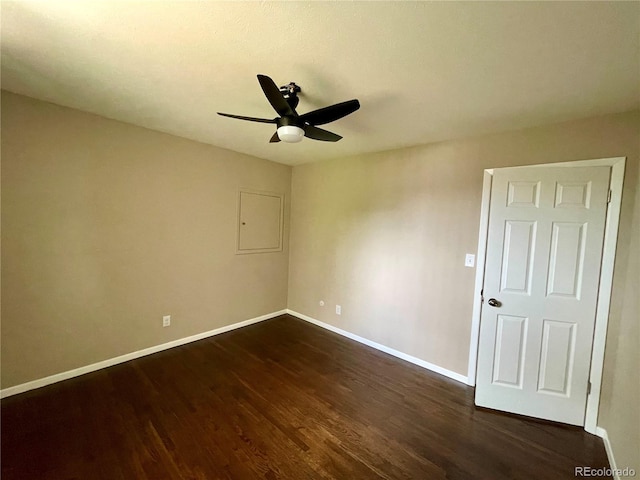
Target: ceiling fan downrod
x=290 y=94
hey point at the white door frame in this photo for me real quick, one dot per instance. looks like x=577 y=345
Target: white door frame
x=617 y=165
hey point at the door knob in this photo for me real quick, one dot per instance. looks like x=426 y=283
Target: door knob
x=494 y=303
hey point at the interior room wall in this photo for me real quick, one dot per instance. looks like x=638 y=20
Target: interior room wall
x=108 y=226
x=385 y=236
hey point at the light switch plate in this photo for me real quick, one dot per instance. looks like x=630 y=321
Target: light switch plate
x=469 y=260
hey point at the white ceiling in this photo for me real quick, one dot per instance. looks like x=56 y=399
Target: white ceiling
x=423 y=71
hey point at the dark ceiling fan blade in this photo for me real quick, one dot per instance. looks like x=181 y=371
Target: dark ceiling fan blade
x=330 y=114
x=273 y=94
x=275 y=138
x=320 y=134
x=251 y=119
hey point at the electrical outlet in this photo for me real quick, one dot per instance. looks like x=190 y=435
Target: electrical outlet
x=166 y=320
x=338 y=310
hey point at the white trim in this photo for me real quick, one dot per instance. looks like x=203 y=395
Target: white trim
x=416 y=361
x=58 y=377
x=602 y=433
x=596 y=162
x=604 y=293
x=480 y=260
x=617 y=165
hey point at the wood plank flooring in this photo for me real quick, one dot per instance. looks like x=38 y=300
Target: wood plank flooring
x=282 y=399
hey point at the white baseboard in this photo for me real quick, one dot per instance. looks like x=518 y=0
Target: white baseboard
x=602 y=433
x=383 y=348
x=58 y=377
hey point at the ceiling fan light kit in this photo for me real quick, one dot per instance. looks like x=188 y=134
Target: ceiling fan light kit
x=290 y=133
x=291 y=127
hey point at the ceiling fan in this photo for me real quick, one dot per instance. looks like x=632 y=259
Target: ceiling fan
x=291 y=126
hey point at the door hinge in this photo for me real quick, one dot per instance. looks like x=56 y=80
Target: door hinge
x=609 y=197
x=589 y=388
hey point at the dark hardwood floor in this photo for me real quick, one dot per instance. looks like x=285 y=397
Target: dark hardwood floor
x=282 y=399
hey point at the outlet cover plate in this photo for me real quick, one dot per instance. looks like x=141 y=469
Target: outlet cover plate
x=469 y=260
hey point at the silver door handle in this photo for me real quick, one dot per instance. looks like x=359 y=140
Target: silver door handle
x=494 y=303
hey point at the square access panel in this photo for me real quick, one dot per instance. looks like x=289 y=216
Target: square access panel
x=260 y=219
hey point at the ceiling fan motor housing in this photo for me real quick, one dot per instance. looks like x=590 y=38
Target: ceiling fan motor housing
x=290 y=121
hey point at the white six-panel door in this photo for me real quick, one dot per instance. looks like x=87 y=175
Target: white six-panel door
x=544 y=249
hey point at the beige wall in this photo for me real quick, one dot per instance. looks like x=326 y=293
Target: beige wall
x=107 y=227
x=385 y=236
